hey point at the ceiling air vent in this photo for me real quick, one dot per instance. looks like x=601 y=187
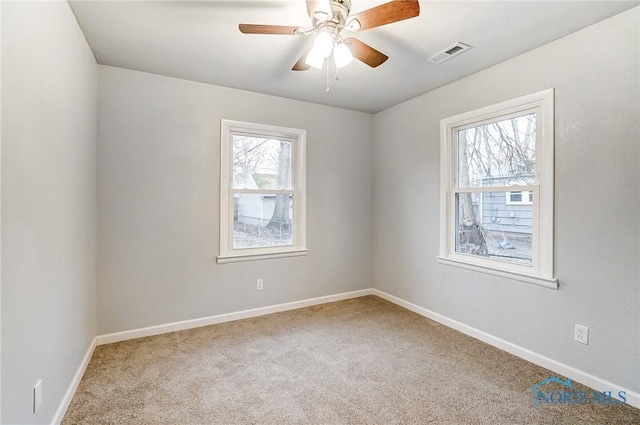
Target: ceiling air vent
x=449 y=52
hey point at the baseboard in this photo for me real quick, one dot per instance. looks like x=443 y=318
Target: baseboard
x=227 y=317
x=73 y=386
x=633 y=398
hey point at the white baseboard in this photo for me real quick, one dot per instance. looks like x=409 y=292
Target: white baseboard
x=633 y=398
x=227 y=317
x=73 y=386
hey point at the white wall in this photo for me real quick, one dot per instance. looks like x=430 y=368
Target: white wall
x=596 y=76
x=49 y=107
x=158 y=202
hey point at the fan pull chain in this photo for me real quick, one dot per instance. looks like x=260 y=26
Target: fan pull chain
x=327 y=89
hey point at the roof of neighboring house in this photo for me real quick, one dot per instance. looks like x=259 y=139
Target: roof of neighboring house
x=265 y=181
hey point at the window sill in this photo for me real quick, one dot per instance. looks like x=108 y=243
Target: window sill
x=236 y=258
x=523 y=277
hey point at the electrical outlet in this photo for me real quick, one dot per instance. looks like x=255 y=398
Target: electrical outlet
x=37 y=396
x=581 y=334
x=259 y=284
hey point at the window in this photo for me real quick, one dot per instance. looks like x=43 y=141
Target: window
x=497 y=196
x=520 y=198
x=262 y=192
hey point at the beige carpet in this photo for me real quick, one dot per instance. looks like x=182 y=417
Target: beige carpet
x=360 y=361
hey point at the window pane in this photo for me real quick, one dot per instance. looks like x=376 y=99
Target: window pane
x=262 y=220
x=500 y=153
x=515 y=196
x=487 y=226
x=261 y=163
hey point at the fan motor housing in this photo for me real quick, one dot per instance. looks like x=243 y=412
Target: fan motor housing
x=340 y=11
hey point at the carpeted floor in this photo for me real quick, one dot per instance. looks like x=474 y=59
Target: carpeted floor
x=360 y=361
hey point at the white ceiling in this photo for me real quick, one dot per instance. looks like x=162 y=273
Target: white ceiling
x=200 y=41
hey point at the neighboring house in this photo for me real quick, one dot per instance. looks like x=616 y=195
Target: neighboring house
x=254 y=209
x=510 y=212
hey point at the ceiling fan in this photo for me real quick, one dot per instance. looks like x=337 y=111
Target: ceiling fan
x=328 y=19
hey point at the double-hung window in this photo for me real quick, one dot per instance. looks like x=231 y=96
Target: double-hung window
x=497 y=185
x=262 y=191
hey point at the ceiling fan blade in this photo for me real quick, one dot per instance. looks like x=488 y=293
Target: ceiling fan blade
x=394 y=11
x=267 y=29
x=301 y=64
x=365 y=53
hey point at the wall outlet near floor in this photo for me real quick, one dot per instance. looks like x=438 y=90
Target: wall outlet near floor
x=37 y=396
x=581 y=334
x=259 y=284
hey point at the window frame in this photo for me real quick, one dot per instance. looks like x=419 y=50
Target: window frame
x=228 y=253
x=541 y=271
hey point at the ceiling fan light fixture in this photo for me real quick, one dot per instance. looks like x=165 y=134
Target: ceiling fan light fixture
x=323 y=45
x=314 y=59
x=342 y=55
x=328 y=19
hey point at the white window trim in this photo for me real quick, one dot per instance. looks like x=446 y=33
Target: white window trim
x=541 y=272
x=227 y=253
